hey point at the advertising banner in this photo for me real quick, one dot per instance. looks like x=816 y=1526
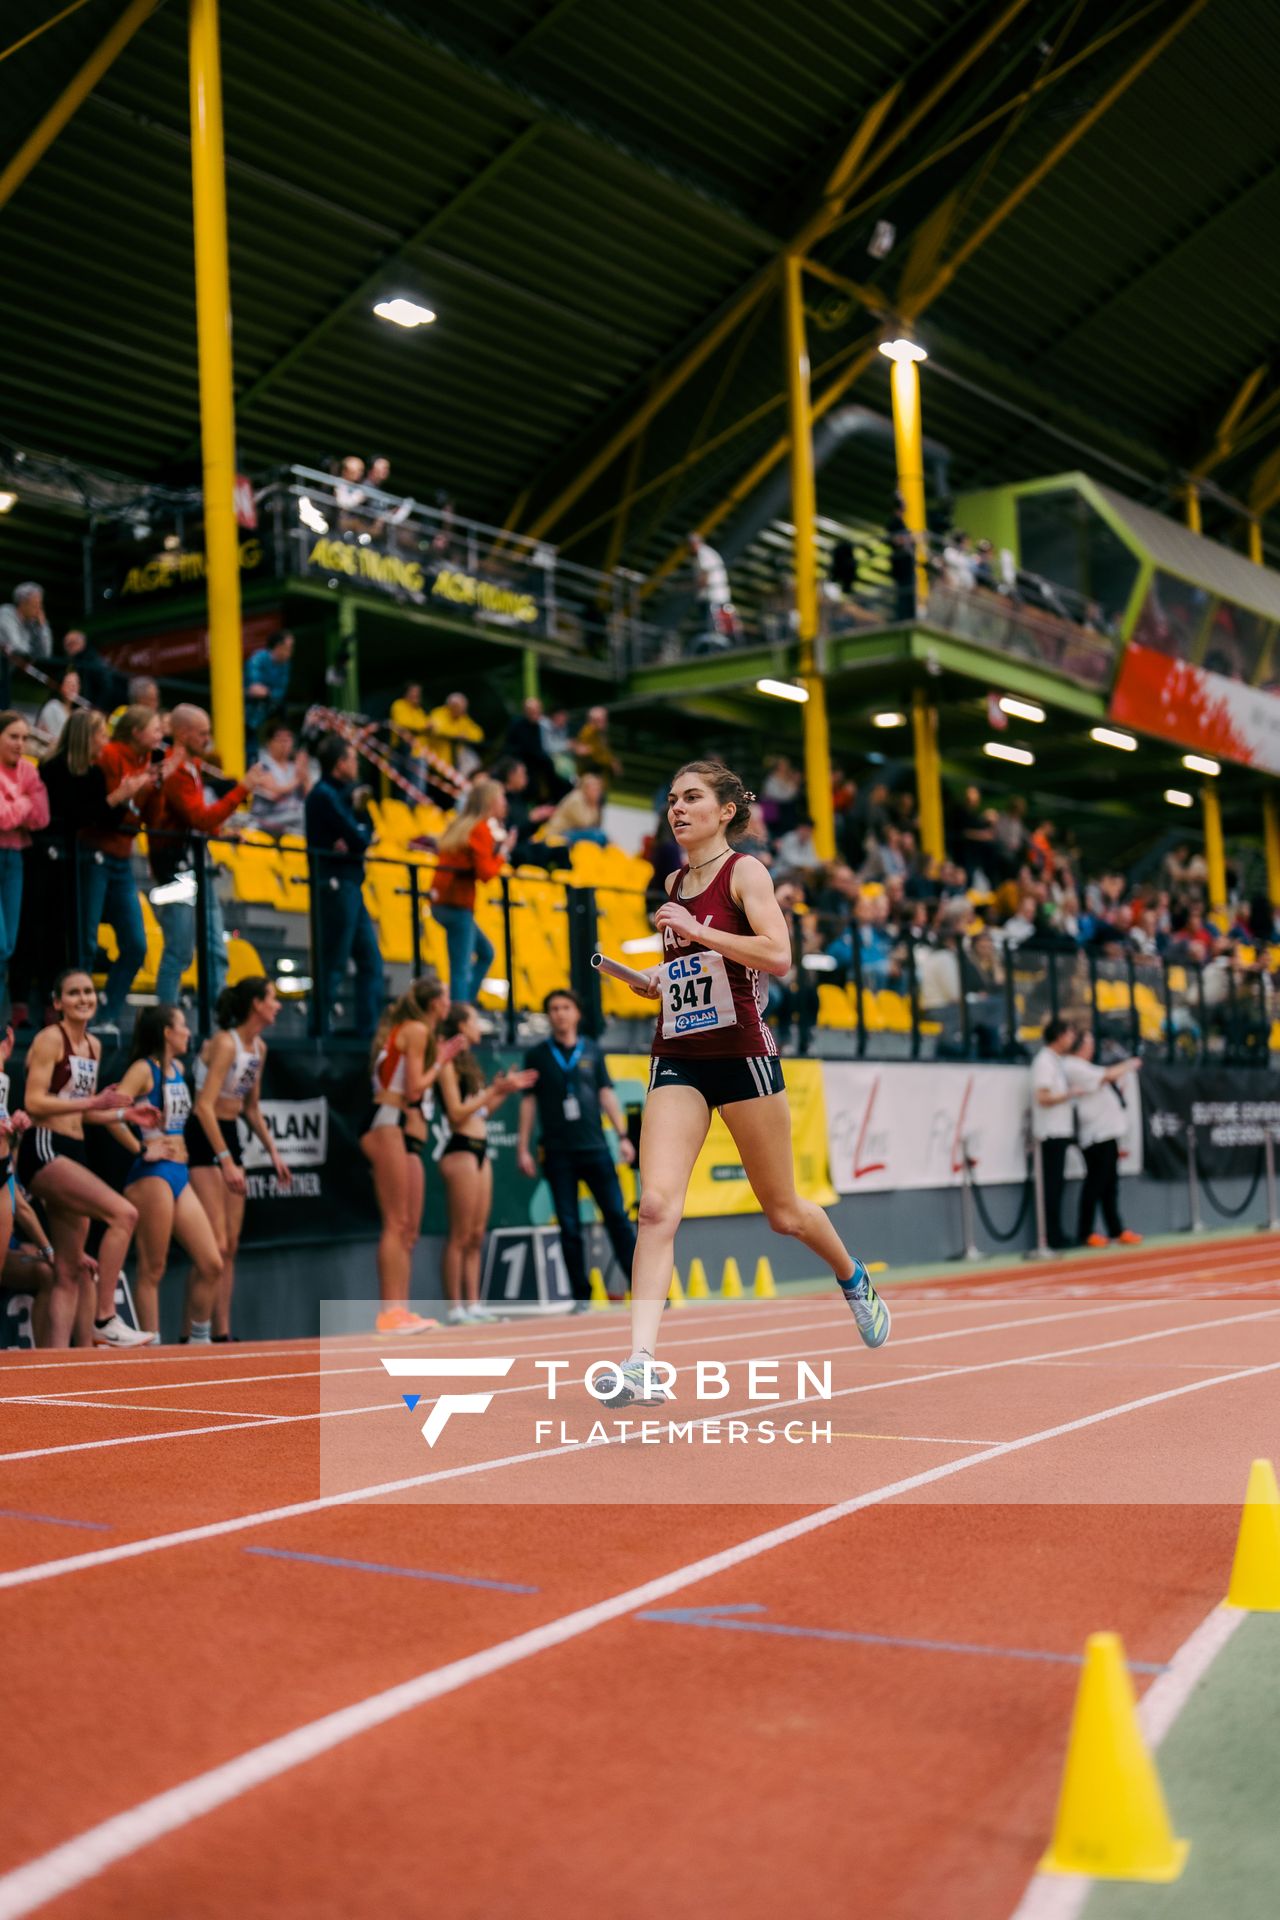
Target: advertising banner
x=1193 y=707
x=894 y=1128
x=1229 y=1108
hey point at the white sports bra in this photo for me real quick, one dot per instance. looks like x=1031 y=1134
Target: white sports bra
x=241 y=1076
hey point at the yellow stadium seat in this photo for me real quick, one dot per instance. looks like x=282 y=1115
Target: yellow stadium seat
x=254 y=864
x=835 y=1007
x=386 y=894
x=295 y=876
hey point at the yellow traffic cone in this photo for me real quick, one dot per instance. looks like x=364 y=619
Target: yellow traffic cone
x=762 y=1286
x=697 y=1288
x=1112 y=1821
x=675 y=1292
x=599 y=1296
x=731 y=1283
x=1255 y=1571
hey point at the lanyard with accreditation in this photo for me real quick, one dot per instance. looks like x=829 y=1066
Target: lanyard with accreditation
x=572 y=1105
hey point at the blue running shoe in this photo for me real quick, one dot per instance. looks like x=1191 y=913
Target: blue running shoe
x=868 y=1309
x=633 y=1389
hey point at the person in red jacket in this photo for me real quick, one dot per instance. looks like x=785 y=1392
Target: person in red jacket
x=24 y=807
x=474 y=846
x=182 y=811
x=108 y=890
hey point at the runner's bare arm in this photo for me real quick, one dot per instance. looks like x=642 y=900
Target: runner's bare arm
x=767 y=947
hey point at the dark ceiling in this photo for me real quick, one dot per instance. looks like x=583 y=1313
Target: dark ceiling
x=580 y=187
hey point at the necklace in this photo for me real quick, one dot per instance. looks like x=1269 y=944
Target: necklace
x=695 y=865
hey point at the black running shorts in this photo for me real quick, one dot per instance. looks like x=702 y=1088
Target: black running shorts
x=720 y=1082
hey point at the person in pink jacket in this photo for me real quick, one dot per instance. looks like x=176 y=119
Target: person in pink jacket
x=24 y=808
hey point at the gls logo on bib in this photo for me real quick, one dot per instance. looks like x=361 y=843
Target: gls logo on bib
x=696 y=995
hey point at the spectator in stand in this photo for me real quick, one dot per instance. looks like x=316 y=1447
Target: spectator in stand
x=1021 y=925
x=60 y=705
x=338 y=837
x=592 y=749
x=984 y=567
x=266 y=682
x=867 y=819
x=1053 y=1120
x=1009 y=829
x=580 y=813
x=24 y=809
x=140 y=691
x=973 y=832
x=983 y=979
x=711 y=578
x=902 y=560
x=959 y=563
x=278 y=806
x=559 y=746
x=796 y=853
x=525 y=742
x=473 y=847
x=413 y=724
x=24 y=631
x=870 y=934
x=1042 y=852
x=350 y=495
x=524 y=819
x=455 y=736
x=182 y=811
x=780 y=794
x=130 y=762
x=100 y=684
x=1100 y=1127
x=77 y=791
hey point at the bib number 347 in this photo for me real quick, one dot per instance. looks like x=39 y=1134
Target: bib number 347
x=696 y=995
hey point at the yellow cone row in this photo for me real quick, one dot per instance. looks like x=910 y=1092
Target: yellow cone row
x=1112 y=1821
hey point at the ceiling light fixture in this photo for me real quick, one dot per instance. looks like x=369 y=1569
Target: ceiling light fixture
x=902 y=349
x=997 y=750
x=783 y=690
x=1020 y=709
x=8 y=501
x=1108 y=737
x=1200 y=763
x=1177 y=798
x=404 y=313
x=888 y=720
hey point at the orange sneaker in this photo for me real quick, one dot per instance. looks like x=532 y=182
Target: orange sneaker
x=1097 y=1240
x=1128 y=1239
x=400 y=1320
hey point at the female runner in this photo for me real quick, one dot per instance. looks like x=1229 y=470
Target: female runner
x=721 y=930
x=464 y=1161
x=406 y=1065
x=62 y=1094
x=159 y=1182
x=233 y=1061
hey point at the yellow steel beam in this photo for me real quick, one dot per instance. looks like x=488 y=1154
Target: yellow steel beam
x=1264 y=490
x=804 y=514
x=869 y=297
x=1215 y=852
x=924 y=730
x=217 y=411
x=908 y=443
x=1255 y=552
x=1271 y=837
x=657 y=399
x=35 y=32
x=845 y=171
x=1191 y=501
x=1224 y=437
x=1056 y=154
x=37 y=143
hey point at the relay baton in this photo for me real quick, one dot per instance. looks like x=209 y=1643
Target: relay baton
x=638 y=982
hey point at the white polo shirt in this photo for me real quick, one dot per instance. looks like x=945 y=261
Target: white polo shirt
x=1048 y=1072
x=1099 y=1113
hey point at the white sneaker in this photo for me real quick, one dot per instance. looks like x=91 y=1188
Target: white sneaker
x=116 y=1334
x=457 y=1317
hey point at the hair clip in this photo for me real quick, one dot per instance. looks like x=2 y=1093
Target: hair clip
x=748 y=796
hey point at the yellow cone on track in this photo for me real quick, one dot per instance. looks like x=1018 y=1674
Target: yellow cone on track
x=697 y=1288
x=599 y=1297
x=1112 y=1820
x=762 y=1286
x=675 y=1292
x=1255 y=1571
x=731 y=1283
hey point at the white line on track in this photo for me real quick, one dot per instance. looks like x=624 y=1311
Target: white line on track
x=1051 y=1896
x=117 y=1406
x=215 y=1529
x=246 y=1419
x=91 y=1852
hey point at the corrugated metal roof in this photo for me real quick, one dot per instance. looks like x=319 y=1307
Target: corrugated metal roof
x=1225 y=574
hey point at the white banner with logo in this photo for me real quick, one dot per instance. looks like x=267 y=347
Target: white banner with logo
x=894 y=1127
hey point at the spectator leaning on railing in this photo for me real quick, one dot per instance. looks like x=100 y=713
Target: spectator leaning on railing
x=266 y=682
x=99 y=682
x=182 y=812
x=24 y=630
x=338 y=837
x=278 y=805
x=107 y=889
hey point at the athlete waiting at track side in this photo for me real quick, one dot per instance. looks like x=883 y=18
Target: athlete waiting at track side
x=407 y=1059
x=229 y=1089
x=12 y=1126
x=159 y=1181
x=464 y=1161
x=722 y=930
x=53 y=1160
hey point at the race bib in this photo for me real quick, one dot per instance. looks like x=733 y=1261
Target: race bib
x=82 y=1081
x=696 y=995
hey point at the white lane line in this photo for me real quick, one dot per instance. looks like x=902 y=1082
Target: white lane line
x=1052 y=1896
x=294 y=1419
x=214 y=1529
x=91 y=1852
x=116 y=1406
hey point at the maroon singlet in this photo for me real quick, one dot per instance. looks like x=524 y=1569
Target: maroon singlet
x=750 y=1038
